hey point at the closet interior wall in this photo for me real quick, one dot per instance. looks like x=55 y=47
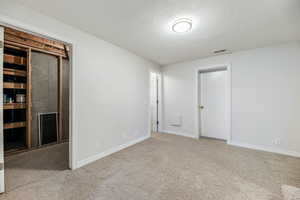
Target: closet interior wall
x=44 y=84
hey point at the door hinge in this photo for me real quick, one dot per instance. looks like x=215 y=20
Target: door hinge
x=157 y=101
x=157 y=122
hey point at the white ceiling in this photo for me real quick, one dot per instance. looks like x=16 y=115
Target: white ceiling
x=143 y=26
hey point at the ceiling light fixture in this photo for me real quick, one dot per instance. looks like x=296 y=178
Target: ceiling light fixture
x=182 y=25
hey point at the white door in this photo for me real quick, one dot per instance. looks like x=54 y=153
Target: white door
x=153 y=101
x=213 y=105
x=1 y=112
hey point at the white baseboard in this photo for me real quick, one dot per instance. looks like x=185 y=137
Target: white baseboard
x=249 y=146
x=109 y=151
x=177 y=133
x=267 y=149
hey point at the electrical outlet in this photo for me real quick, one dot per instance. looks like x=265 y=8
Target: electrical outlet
x=277 y=141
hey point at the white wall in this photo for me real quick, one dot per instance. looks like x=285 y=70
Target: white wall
x=265 y=97
x=111 y=86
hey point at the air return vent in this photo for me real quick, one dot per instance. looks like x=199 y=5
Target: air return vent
x=220 y=51
x=48 y=129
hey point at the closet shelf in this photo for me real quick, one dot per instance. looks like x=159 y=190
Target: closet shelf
x=14 y=125
x=11 y=85
x=10 y=106
x=14 y=72
x=18 y=60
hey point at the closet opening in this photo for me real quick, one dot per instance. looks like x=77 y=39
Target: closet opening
x=36 y=107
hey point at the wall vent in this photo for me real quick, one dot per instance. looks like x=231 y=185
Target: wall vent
x=220 y=51
x=48 y=128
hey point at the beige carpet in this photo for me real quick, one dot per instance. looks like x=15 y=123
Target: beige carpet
x=30 y=167
x=171 y=167
x=290 y=193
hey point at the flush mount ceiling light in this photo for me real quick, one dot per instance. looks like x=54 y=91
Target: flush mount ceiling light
x=182 y=25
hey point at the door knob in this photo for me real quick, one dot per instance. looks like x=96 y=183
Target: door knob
x=201 y=107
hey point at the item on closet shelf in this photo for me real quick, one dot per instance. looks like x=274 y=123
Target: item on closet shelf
x=4 y=98
x=10 y=100
x=20 y=98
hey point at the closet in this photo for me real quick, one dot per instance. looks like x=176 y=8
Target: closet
x=35 y=91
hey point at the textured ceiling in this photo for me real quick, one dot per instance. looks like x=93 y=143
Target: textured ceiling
x=143 y=26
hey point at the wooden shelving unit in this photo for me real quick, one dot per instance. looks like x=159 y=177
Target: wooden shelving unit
x=15 y=73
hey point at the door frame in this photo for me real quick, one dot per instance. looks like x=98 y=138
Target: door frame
x=7 y=22
x=225 y=67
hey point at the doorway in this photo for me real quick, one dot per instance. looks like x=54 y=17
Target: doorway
x=213 y=103
x=36 y=115
x=155 y=95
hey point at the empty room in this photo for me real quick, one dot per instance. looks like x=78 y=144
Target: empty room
x=150 y=100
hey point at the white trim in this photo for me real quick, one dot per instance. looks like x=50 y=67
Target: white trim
x=110 y=151
x=2 y=182
x=267 y=149
x=227 y=67
x=177 y=133
x=72 y=131
x=6 y=21
x=243 y=145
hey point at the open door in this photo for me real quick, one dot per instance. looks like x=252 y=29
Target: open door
x=154 y=102
x=155 y=95
x=1 y=112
